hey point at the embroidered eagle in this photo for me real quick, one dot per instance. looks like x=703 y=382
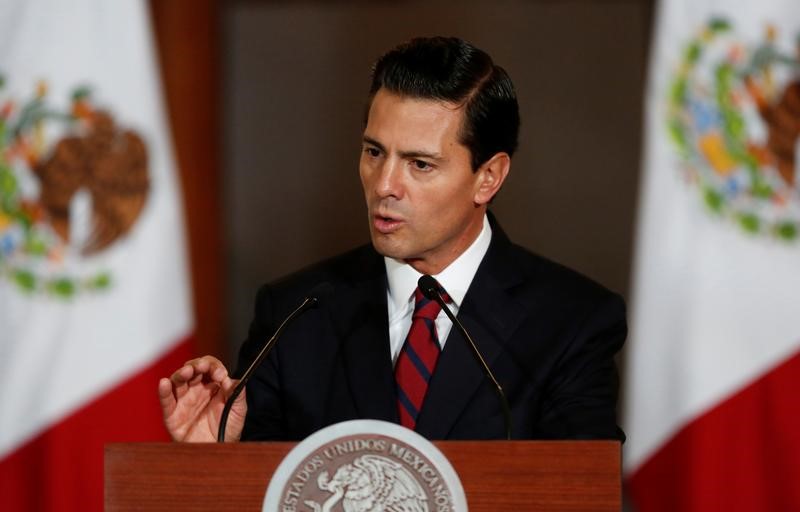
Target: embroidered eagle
x=111 y=164
x=371 y=484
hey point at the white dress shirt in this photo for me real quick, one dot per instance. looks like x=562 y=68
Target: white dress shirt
x=455 y=279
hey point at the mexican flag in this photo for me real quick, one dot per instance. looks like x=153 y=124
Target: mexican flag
x=713 y=364
x=94 y=293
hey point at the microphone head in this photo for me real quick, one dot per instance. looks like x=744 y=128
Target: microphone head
x=322 y=289
x=429 y=287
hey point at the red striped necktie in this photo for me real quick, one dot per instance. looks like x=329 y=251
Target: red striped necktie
x=417 y=359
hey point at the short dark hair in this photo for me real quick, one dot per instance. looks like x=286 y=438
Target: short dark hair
x=450 y=69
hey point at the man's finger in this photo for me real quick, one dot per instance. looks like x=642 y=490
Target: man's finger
x=182 y=375
x=228 y=384
x=208 y=367
x=166 y=396
x=219 y=374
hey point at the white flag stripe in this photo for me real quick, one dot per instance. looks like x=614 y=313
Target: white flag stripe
x=56 y=355
x=713 y=308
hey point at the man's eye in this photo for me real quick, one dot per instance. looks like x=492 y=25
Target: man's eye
x=421 y=165
x=373 y=152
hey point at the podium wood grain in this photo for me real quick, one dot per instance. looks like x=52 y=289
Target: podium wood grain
x=497 y=475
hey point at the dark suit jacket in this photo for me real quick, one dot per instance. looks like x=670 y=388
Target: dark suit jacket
x=548 y=334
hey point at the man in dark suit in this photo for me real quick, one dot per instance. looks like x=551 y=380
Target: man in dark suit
x=440 y=133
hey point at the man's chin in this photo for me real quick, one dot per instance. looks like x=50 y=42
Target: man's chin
x=387 y=247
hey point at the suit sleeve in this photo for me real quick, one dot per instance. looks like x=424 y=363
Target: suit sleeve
x=265 y=414
x=581 y=398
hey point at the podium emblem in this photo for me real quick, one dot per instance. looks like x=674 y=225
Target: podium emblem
x=365 y=466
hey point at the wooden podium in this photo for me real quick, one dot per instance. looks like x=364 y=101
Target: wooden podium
x=497 y=475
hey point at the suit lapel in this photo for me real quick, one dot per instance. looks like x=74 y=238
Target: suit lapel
x=491 y=315
x=361 y=320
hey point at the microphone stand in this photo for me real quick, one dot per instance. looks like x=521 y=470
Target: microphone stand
x=430 y=288
x=308 y=303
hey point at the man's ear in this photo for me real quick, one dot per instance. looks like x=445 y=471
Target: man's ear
x=490 y=177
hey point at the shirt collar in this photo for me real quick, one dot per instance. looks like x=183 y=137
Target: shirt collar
x=455 y=278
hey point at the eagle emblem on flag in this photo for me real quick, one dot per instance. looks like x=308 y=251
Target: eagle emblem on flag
x=733 y=113
x=71 y=184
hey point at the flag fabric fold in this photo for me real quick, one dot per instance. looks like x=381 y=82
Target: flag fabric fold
x=714 y=350
x=93 y=272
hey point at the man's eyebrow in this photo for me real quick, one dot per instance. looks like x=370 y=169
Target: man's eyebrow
x=405 y=154
x=421 y=154
x=374 y=142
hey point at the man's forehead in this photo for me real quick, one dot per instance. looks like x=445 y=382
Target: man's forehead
x=383 y=91
x=391 y=112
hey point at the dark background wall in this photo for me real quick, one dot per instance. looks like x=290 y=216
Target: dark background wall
x=294 y=78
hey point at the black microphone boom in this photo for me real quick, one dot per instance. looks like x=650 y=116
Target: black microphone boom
x=309 y=302
x=430 y=288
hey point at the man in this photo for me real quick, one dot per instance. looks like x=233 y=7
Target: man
x=440 y=133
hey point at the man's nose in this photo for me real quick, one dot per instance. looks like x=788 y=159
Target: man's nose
x=390 y=179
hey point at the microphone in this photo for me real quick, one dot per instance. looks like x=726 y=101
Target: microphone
x=309 y=302
x=430 y=288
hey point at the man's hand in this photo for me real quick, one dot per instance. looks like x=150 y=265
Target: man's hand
x=192 y=400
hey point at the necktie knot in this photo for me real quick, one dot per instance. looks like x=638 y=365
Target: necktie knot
x=426 y=308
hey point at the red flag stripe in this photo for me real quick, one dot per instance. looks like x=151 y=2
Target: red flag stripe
x=743 y=454
x=62 y=469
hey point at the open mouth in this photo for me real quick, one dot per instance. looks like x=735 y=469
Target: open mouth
x=385 y=224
